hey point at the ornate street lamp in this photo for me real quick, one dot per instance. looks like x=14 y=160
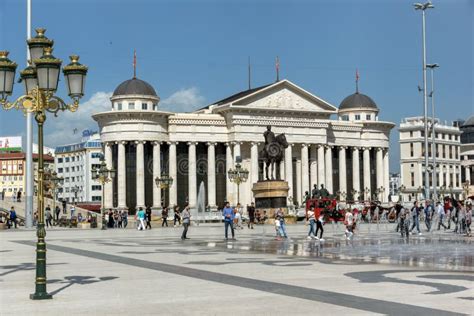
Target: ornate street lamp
x=41 y=82
x=367 y=193
x=164 y=182
x=442 y=191
x=103 y=175
x=75 y=189
x=54 y=182
x=238 y=175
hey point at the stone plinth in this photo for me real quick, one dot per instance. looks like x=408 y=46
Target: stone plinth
x=270 y=194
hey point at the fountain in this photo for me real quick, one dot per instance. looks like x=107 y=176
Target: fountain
x=201 y=202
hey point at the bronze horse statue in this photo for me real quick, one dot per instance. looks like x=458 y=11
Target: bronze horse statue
x=272 y=155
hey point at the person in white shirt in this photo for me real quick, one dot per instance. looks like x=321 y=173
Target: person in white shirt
x=349 y=221
x=311 y=222
x=440 y=212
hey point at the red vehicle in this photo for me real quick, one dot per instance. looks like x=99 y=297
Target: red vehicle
x=327 y=207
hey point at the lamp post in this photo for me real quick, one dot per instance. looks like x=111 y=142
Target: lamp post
x=423 y=7
x=238 y=175
x=103 y=175
x=75 y=189
x=164 y=182
x=367 y=193
x=401 y=190
x=442 y=191
x=41 y=82
x=54 y=182
x=433 y=126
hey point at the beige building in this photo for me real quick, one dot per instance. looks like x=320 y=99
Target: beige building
x=12 y=172
x=412 y=159
x=467 y=153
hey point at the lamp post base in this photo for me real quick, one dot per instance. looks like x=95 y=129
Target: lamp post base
x=41 y=296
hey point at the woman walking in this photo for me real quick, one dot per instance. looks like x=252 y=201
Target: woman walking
x=311 y=222
x=319 y=226
x=164 y=217
x=186 y=222
x=177 y=216
x=141 y=219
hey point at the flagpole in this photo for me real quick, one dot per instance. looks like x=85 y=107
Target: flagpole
x=278 y=68
x=249 y=74
x=29 y=139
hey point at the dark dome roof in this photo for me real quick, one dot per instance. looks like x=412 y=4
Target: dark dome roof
x=357 y=100
x=135 y=86
x=469 y=122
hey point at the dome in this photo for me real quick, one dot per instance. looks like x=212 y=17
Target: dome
x=469 y=122
x=135 y=86
x=358 y=100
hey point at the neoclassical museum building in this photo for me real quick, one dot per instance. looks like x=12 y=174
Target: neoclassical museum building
x=345 y=148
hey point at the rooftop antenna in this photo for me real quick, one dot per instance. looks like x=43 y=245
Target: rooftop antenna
x=277 y=65
x=134 y=64
x=357 y=80
x=249 y=73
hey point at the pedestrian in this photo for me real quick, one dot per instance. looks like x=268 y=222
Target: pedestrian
x=349 y=221
x=238 y=217
x=415 y=213
x=164 y=217
x=49 y=217
x=73 y=209
x=64 y=207
x=47 y=209
x=13 y=219
x=18 y=197
x=186 y=222
x=116 y=219
x=111 y=221
x=57 y=210
x=428 y=213
x=177 y=216
x=148 y=217
x=141 y=219
x=404 y=222
x=441 y=214
x=468 y=218
x=119 y=215
x=251 y=213
x=278 y=233
x=228 y=214
x=310 y=218
x=319 y=227
x=124 y=214
x=281 y=217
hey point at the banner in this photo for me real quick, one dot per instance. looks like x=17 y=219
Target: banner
x=10 y=143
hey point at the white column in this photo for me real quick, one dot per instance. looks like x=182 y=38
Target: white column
x=367 y=173
x=282 y=169
x=108 y=187
x=299 y=193
x=140 y=174
x=321 y=166
x=468 y=174
x=192 y=174
x=173 y=189
x=386 y=174
x=229 y=162
x=329 y=186
x=355 y=172
x=121 y=173
x=211 y=175
x=342 y=170
x=237 y=154
x=304 y=169
x=254 y=163
x=289 y=169
x=448 y=178
x=379 y=170
x=156 y=174
x=313 y=166
x=440 y=175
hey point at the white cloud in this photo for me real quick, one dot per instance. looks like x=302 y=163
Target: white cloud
x=60 y=130
x=183 y=100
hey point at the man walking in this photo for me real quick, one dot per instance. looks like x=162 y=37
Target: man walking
x=228 y=214
x=148 y=217
x=440 y=212
x=57 y=210
x=251 y=212
x=49 y=217
x=12 y=218
x=164 y=217
x=428 y=214
x=186 y=222
x=415 y=213
x=64 y=207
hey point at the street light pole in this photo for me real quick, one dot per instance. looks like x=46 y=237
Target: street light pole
x=103 y=175
x=423 y=7
x=238 y=175
x=433 y=126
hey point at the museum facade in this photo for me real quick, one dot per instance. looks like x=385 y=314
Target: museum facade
x=344 y=148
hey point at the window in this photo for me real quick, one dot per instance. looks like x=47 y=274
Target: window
x=144 y=106
x=96 y=188
x=60 y=160
x=60 y=170
x=450 y=152
x=345 y=117
x=422 y=133
x=73 y=159
x=96 y=155
x=412 y=179
x=131 y=105
x=66 y=179
x=444 y=152
x=155 y=106
x=119 y=106
x=437 y=150
x=73 y=169
x=411 y=150
x=66 y=159
x=367 y=117
x=67 y=169
x=357 y=117
x=96 y=198
x=411 y=133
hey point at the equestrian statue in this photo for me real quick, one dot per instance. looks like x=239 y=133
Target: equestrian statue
x=273 y=153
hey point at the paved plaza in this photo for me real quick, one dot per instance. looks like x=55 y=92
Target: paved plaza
x=153 y=272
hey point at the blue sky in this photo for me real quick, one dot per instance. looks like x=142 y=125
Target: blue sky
x=195 y=52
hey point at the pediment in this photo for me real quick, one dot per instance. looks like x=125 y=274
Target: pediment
x=284 y=96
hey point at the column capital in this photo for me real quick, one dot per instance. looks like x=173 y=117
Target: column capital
x=355 y=148
x=171 y=143
x=192 y=143
x=122 y=142
x=342 y=147
x=137 y=142
x=304 y=145
x=255 y=143
x=365 y=148
x=328 y=146
x=110 y=144
x=211 y=143
x=379 y=148
x=156 y=143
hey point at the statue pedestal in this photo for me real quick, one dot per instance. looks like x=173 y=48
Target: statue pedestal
x=271 y=195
